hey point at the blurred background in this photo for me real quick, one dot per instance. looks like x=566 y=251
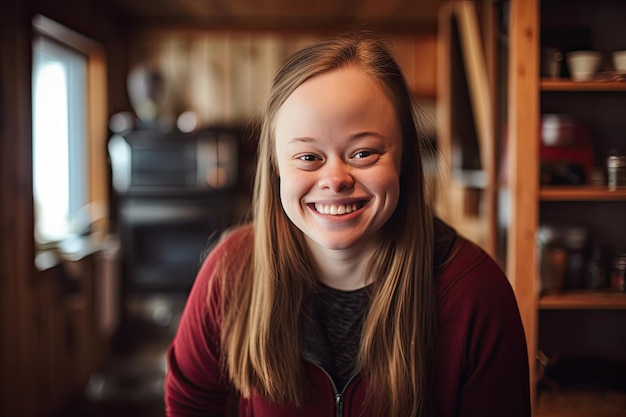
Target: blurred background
x=143 y=150
x=128 y=140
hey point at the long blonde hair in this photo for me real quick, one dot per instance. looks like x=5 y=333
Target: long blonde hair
x=262 y=336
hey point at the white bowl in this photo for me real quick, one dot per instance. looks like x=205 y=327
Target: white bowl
x=583 y=65
x=619 y=61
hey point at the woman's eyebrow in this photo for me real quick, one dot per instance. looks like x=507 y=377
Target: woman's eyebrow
x=354 y=137
x=303 y=139
x=367 y=134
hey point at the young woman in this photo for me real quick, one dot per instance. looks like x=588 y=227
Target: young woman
x=345 y=296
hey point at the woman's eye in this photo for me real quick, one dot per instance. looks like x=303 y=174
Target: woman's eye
x=365 y=157
x=308 y=158
x=362 y=154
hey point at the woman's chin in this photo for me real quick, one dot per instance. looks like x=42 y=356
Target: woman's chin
x=338 y=241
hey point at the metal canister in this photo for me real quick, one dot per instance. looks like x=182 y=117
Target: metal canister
x=616 y=171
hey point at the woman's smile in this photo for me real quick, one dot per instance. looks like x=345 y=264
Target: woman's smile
x=336 y=209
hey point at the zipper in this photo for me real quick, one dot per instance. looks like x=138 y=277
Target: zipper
x=339 y=405
x=339 y=396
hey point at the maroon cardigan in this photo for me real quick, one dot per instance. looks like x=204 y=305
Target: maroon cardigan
x=482 y=363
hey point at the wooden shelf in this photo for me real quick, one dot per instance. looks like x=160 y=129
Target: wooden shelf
x=581 y=404
x=584 y=300
x=565 y=84
x=581 y=193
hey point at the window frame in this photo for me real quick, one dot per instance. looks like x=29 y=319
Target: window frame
x=96 y=115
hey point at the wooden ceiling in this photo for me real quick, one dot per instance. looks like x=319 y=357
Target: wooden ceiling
x=413 y=16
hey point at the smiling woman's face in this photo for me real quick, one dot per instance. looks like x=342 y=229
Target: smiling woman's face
x=338 y=152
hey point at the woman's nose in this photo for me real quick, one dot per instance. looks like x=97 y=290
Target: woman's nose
x=336 y=176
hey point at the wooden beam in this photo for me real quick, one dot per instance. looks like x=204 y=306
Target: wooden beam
x=483 y=228
x=16 y=215
x=480 y=96
x=523 y=180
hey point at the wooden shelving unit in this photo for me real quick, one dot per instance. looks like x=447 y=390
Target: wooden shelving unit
x=595 y=103
x=584 y=300
x=581 y=193
x=566 y=84
x=581 y=404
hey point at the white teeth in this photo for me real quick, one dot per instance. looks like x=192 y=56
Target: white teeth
x=334 y=210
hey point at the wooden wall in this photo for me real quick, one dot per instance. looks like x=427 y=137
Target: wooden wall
x=49 y=338
x=225 y=76
x=15 y=210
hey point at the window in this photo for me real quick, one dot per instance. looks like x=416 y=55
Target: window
x=70 y=173
x=59 y=140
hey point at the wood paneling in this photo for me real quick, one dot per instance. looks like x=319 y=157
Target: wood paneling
x=390 y=15
x=16 y=213
x=224 y=77
x=40 y=366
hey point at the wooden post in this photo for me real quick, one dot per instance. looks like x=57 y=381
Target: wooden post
x=523 y=176
x=17 y=336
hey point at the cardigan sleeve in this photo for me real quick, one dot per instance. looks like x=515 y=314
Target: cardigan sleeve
x=195 y=383
x=487 y=339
